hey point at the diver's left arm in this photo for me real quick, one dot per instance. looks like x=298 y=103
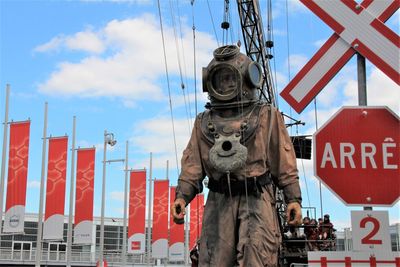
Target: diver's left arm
x=284 y=167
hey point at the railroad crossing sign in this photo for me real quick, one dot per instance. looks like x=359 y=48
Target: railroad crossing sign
x=358 y=28
x=356 y=155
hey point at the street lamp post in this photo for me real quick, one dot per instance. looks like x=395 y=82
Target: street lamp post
x=108 y=139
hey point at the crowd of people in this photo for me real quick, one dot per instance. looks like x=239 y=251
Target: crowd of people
x=319 y=235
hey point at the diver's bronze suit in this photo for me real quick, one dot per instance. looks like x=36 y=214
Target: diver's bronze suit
x=240 y=225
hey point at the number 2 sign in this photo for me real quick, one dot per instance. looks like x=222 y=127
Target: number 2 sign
x=370 y=230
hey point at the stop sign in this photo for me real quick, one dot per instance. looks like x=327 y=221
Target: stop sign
x=356 y=155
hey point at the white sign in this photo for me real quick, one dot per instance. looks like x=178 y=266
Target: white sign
x=358 y=28
x=370 y=230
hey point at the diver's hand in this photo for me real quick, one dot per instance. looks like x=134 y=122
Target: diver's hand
x=293 y=213
x=178 y=210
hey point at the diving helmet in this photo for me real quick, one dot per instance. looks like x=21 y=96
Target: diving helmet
x=231 y=77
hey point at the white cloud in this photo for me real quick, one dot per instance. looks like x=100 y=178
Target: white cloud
x=381 y=90
x=54 y=44
x=85 y=41
x=131 y=65
x=156 y=136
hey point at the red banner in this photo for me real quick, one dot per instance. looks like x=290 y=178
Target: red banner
x=55 y=190
x=84 y=196
x=176 y=235
x=137 y=211
x=160 y=219
x=17 y=177
x=196 y=218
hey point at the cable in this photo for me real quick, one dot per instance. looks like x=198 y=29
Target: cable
x=303 y=169
x=316 y=129
x=225 y=23
x=179 y=62
x=185 y=68
x=195 y=95
x=288 y=48
x=194 y=59
x=272 y=49
x=212 y=21
x=169 y=89
x=288 y=40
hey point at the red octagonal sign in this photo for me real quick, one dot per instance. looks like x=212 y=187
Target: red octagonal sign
x=356 y=155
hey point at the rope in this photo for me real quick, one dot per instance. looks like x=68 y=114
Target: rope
x=303 y=169
x=212 y=21
x=179 y=62
x=270 y=28
x=195 y=96
x=288 y=50
x=225 y=19
x=194 y=59
x=169 y=89
x=316 y=129
x=185 y=68
x=228 y=175
x=287 y=40
x=230 y=19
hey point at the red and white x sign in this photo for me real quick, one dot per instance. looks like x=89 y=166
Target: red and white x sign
x=358 y=28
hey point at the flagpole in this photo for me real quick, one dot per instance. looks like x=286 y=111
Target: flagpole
x=167 y=176
x=3 y=158
x=40 y=214
x=125 y=207
x=71 y=196
x=169 y=215
x=103 y=196
x=187 y=237
x=149 y=229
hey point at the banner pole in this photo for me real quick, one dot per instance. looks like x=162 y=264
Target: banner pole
x=103 y=193
x=40 y=213
x=71 y=196
x=169 y=215
x=125 y=207
x=187 y=248
x=149 y=228
x=3 y=158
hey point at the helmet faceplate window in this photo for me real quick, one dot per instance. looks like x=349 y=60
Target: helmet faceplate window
x=224 y=82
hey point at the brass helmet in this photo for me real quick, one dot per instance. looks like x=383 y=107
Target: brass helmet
x=231 y=78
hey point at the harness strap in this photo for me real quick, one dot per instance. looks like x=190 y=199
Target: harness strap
x=253 y=184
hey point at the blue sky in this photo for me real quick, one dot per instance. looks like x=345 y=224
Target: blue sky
x=103 y=62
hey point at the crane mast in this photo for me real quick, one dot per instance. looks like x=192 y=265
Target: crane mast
x=255 y=45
